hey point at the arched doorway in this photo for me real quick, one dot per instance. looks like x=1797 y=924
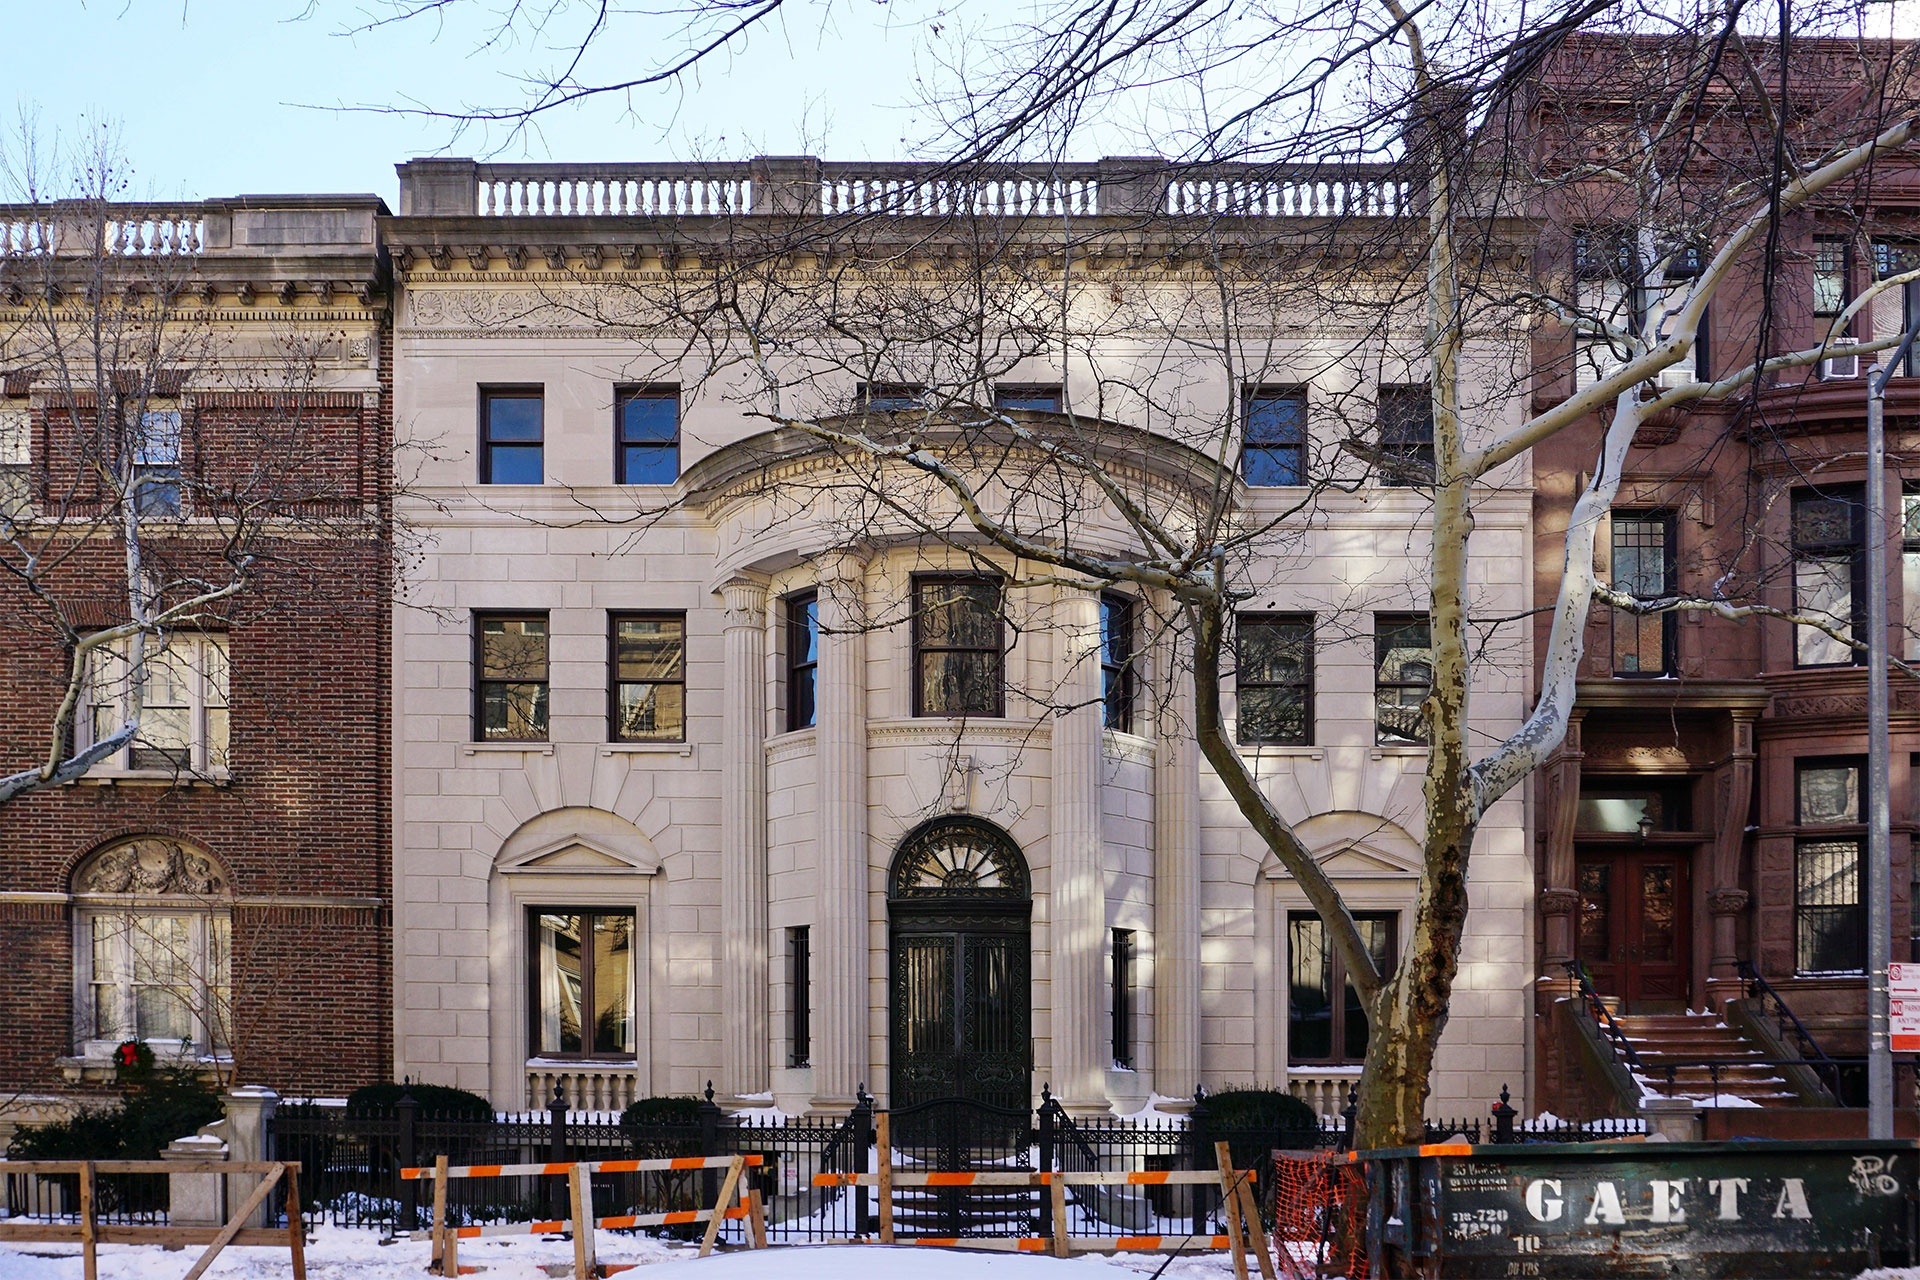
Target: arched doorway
x=958 y=903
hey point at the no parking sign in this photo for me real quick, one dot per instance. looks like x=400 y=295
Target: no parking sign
x=1903 y=1011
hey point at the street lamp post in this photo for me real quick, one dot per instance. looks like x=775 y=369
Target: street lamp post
x=1879 y=810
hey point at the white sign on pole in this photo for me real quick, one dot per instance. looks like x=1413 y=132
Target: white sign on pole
x=1903 y=1014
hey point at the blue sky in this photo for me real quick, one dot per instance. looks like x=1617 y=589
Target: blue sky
x=217 y=97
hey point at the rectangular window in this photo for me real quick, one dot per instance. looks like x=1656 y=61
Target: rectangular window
x=1038 y=399
x=1121 y=986
x=1406 y=436
x=890 y=397
x=1323 y=1030
x=510 y=688
x=1273 y=681
x=582 y=977
x=959 y=651
x=649 y=670
x=1828 y=906
x=1832 y=291
x=1828 y=573
x=154 y=480
x=1643 y=644
x=803 y=659
x=1910 y=571
x=1897 y=257
x=16 y=459
x=800 y=1014
x=1403 y=673
x=513 y=435
x=1275 y=452
x=158 y=976
x=184 y=724
x=1604 y=270
x=1116 y=661
x=647 y=436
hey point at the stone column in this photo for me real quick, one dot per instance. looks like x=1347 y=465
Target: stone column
x=1559 y=900
x=249 y=1109
x=743 y=841
x=1176 y=881
x=1078 y=907
x=1726 y=900
x=840 y=934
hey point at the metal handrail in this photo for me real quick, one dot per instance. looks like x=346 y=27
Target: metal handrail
x=1759 y=988
x=1597 y=1009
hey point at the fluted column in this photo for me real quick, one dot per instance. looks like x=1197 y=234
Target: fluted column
x=840 y=746
x=743 y=841
x=1176 y=881
x=1078 y=905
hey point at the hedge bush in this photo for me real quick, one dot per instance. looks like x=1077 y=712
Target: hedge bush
x=1279 y=1118
x=157 y=1104
x=442 y=1102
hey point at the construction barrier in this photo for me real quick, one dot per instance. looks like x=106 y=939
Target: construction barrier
x=446 y=1239
x=91 y=1233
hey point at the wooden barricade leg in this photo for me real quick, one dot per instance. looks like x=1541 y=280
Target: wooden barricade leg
x=296 y=1226
x=1230 y=1210
x=757 y=1218
x=1256 y=1233
x=1058 y=1190
x=89 y=1247
x=883 y=1139
x=450 y=1254
x=238 y=1220
x=437 y=1236
x=580 y=1193
x=720 y=1202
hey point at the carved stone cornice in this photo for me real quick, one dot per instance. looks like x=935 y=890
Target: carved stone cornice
x=1559 y=902
x=1727 y=902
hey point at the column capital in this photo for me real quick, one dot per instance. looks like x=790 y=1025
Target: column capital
x=745 y=600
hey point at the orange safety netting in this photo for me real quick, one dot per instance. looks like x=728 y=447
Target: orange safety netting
x=1319 y=1216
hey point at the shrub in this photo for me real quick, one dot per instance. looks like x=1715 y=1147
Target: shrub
x=1256 y=1120
x=658 y=1129
x=442 y=1102
x=157 y=1104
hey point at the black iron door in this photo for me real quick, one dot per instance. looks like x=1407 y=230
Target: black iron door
x=961 y=1017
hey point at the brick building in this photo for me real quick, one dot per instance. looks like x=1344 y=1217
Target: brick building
x=219 y=885
x=1702 y=830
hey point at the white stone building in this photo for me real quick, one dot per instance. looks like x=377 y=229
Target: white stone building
x=708 y=770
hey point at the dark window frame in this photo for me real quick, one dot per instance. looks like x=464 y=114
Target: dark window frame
x=1413 y=449
x=1304 y=686
x=1383 y=623
x=920 y=648
x=802 y=671
x=1669 y=633
x=1892 y=257
x=800 y=983
x=481 y=681
x=491 y=392
x=1261 y=459
x=587 y=981
x=890 y=397
x=1124 y=949
x=1854 y=495
x=622 y=446
x=1117 y=623
x=1340 y=1003
x=1003 y=392
x=614 y=682
x=1815 y=833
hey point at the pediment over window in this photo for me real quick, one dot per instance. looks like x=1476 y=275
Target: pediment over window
x=578 y=840
x=152 y=865
x=1354 y=846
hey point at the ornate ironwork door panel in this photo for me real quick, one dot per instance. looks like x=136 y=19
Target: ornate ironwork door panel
x=961 y=1016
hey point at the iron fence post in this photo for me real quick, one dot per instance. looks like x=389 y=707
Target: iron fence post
x=862 y=1120
x=407 y=1109
x=1200 y=1152
x=1349 y=1117
x=1048 y=1106
x=710 y=1115
x=557 y=1147
x=1503 y=1114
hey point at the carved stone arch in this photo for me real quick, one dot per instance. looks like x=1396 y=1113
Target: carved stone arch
x=958 y=858
x=152 y=864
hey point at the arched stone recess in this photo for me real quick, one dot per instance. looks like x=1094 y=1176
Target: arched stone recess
x=152 y=947
x=581 y=863
x=1376 y=864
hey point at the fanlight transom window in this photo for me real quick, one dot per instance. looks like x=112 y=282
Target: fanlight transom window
x=959 y=858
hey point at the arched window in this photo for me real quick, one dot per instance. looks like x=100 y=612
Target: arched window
x=152 y=948
x=958 y=858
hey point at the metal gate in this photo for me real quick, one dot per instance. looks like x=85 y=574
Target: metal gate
x=957 y=1135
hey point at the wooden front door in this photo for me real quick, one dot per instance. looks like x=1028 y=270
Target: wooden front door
x=1633 y=935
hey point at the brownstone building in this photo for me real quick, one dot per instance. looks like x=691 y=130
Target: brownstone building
x=1701 y=838
x=218 y=885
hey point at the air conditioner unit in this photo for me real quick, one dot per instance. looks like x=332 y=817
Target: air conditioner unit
x=1840 y=367
x=1676 y=375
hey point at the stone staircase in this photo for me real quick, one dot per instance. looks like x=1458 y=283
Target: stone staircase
x=1682 y=1045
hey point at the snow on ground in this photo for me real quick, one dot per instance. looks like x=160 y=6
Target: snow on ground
x=338 y=1254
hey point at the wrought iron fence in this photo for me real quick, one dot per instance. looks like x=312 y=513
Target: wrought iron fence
x=119 y=1199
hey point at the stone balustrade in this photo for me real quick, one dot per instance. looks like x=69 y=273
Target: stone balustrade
x=1325 y=1091
x=590 y=1086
